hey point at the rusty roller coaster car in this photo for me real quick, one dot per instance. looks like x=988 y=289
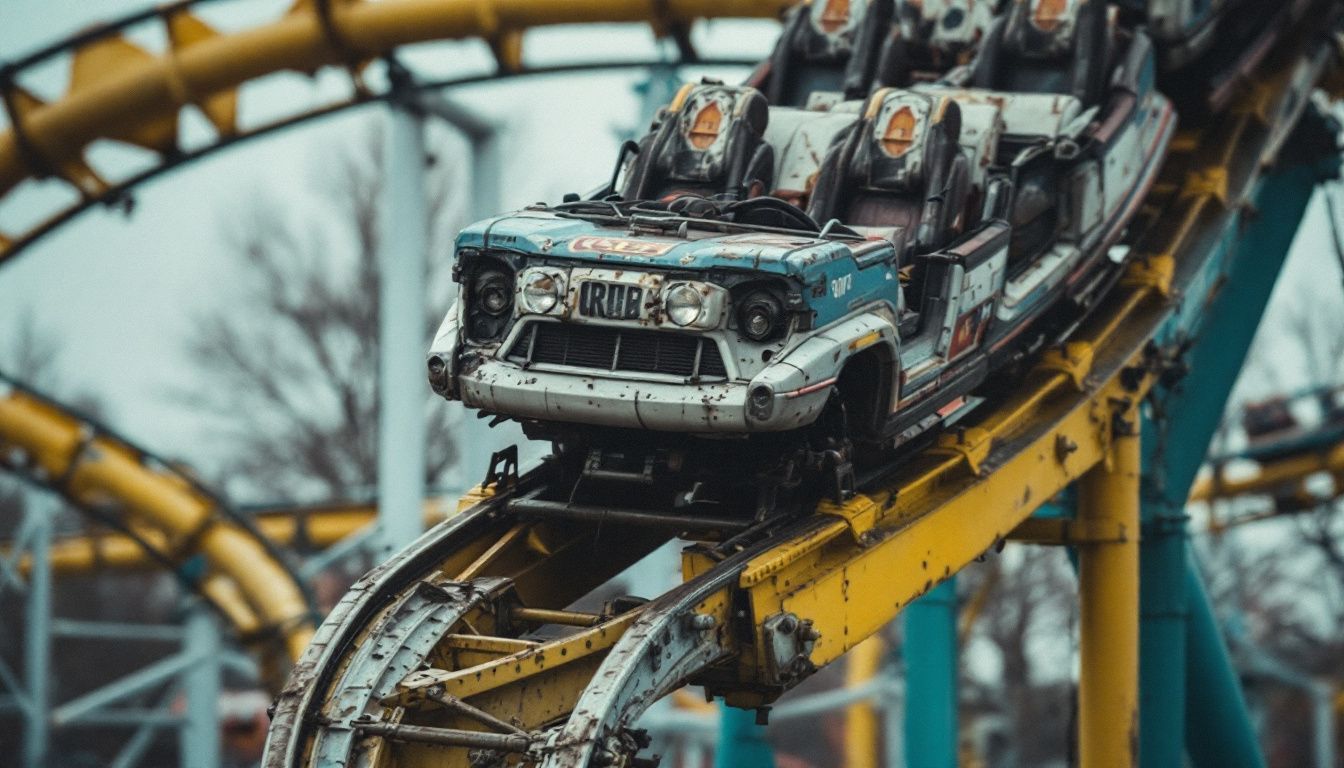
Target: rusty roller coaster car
x=850 y=274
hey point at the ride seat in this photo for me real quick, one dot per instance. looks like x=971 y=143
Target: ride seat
x=898 y=167
x=929 y=38
x=709 y=142
x=826 y=46
x=1048 y=46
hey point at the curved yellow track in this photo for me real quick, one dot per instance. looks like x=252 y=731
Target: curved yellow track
x=244 y=579
x=307 y=527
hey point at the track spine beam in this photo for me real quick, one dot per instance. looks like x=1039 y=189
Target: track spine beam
x=1108 y=597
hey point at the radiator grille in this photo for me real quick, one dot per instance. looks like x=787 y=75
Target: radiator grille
x=619 y=349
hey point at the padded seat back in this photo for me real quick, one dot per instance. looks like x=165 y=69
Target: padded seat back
x=1048 y=46
x=708 y=142
x=929 y=38
x=826 y=45
x=900 y=166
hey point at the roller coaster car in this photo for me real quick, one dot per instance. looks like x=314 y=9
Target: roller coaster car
x=959 y=222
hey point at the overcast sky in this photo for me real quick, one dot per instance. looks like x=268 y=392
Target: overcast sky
x=118 y=291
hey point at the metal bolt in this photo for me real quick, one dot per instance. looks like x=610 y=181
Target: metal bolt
x=702 y=621
x=808 y=632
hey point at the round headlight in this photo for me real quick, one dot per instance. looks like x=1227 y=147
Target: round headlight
x=759 y=316
x=541 y=292
x=684 y=305
x=494 y=292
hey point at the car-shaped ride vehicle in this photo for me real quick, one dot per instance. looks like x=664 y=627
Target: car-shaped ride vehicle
x=858 y=270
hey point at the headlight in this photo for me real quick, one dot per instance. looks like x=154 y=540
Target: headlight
x=684 y=305
x=494 y=292
x=541 y=292
x=759 y=316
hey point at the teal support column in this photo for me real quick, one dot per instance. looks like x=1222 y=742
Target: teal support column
x=1190 y=695
x=1216 y=701
x=930 y=648
x=202 y=683
x=1163 y=612
x=39 y=510
x=742 y=742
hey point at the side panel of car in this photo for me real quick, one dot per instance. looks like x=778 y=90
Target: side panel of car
x=809 y=372
x=835 y=287
x=963 y=285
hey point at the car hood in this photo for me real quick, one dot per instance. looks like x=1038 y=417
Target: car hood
x=546 y=234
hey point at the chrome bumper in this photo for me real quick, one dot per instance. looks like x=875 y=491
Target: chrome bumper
x=503 y=387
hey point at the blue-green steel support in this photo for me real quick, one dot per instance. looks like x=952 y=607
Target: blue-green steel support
x=742 y=742
x=39 y=511
x=1190 y=694
x=930 y=648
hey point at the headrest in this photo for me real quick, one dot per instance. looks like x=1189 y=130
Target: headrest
x=833 y=26
x=909 y=137
x=708 y=120
x=1043 y=29
x=951 y=25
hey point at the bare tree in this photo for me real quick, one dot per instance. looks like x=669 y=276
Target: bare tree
x=1025 y=599
x=1282 y=582
x=289 y=369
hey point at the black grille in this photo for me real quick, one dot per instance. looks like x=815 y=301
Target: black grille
x=618 y=349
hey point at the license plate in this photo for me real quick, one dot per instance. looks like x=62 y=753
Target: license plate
x=610 y=301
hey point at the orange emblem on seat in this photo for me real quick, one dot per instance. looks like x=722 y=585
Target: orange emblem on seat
x=900 y=134
x=1049 y=14
x=705 y=129
x=836 y=15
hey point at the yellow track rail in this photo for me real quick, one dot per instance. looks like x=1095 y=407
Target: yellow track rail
x=123 y=92
x=316 y=528
x=96 y=471
x=757 y=614
x=1282 y=478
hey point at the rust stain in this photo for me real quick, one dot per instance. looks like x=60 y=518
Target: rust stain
x=1048 y=15
x=900 y=134
x=705 y=130
x=836 y=15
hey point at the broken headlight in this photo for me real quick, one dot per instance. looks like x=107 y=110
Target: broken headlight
x=759 y=316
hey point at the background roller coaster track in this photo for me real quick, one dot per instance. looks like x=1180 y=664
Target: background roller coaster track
x=1282 y=469
x=125 y=93
x=244 y=576
x=434 y=645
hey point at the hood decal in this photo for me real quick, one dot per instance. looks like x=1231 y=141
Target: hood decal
x=620 y=245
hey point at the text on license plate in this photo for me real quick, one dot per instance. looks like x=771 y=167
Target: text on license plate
x=611 y=301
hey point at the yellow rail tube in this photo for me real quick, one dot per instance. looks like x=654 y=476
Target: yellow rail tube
x=92 y=469
x=1108 y=578
x=315 y=528
x=1272 y=477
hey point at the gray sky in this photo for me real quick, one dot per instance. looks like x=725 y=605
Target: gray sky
x=118 y=291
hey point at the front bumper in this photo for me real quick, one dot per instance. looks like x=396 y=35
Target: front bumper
x=725 y=407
